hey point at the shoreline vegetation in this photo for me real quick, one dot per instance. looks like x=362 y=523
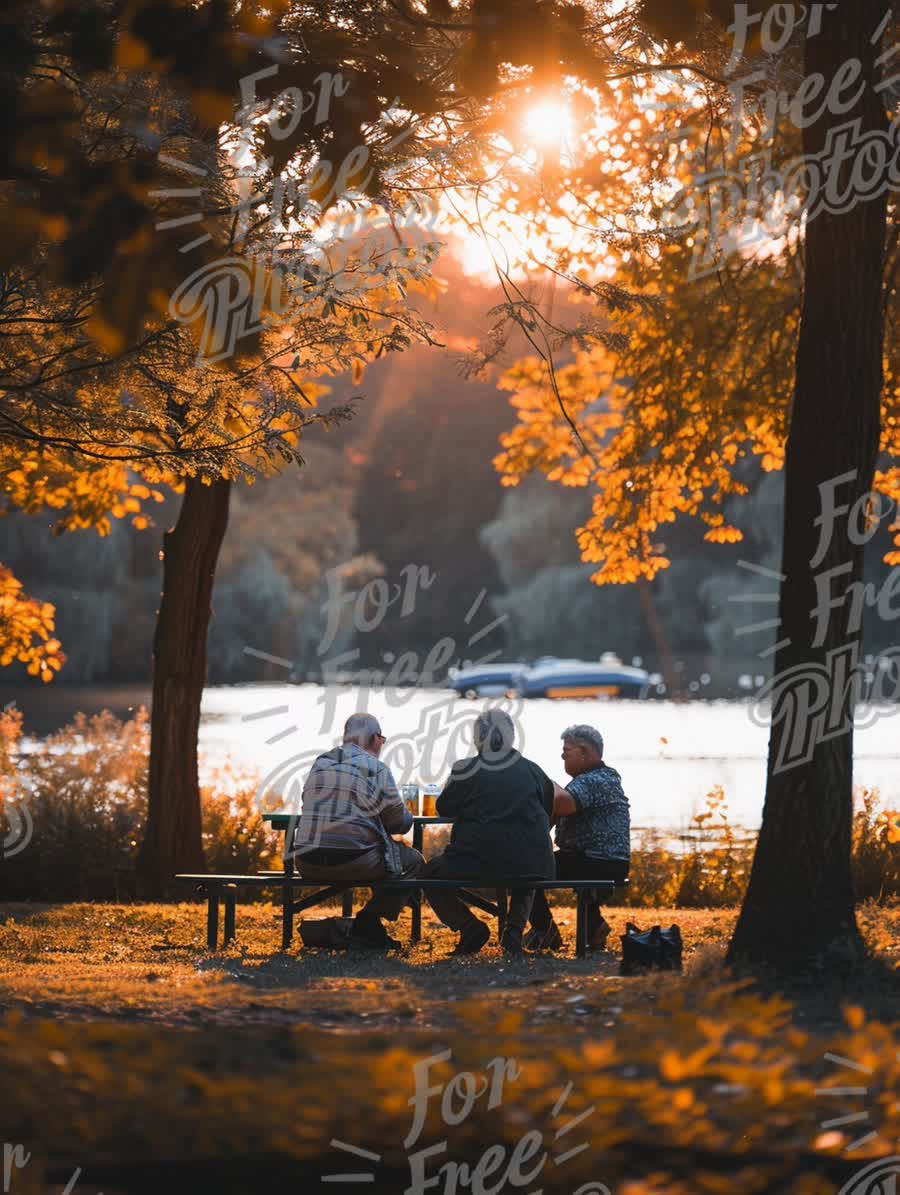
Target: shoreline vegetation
x=85 y=793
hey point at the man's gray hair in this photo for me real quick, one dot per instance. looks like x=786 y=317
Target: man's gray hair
x=359 y=728
x=585 y=736
x=494 y=732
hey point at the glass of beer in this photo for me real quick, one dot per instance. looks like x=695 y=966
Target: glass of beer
x=429 y=800
x=410 y=795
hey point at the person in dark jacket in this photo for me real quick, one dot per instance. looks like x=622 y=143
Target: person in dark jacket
x=501 y=805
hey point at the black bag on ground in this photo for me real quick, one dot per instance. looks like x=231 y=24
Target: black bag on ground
x=328 y=933
x=654 y=950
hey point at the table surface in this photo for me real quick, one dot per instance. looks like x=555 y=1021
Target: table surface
x=281 y=820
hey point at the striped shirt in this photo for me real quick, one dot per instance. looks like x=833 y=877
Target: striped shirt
x=350 y=802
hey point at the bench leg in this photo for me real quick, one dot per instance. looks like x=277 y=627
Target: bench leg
x=212 y=917
x=230 y=902
x=581 y=922
x=347 y=903
x=415 y=902
x=287 y=912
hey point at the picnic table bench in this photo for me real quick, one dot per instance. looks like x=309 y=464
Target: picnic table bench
x=221 y=890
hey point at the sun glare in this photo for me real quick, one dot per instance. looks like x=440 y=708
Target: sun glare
x=548 y=123
x=496 y=232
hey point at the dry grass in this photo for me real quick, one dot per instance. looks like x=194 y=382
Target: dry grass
x=152 y=1064
x=149 y=963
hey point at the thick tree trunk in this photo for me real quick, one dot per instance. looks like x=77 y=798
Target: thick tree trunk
x=800 y=902
x=173 y=841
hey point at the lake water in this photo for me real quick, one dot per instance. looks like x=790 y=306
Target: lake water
x=670 y=755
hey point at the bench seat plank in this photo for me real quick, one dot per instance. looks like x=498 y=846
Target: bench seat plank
x=222 y=886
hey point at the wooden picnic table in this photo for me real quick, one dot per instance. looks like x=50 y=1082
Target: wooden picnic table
x=283 y=820
x=224 y=888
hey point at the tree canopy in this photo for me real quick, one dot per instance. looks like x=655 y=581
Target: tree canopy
x=695 y=371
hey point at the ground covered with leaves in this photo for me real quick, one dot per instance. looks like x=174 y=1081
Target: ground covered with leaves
x=129 y=1052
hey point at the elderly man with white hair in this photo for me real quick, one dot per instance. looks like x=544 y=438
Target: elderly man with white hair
x=350 y=811
x=593 y=833
x=500 y=804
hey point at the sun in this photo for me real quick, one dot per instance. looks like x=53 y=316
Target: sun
x=546 y=134
x=548 y=123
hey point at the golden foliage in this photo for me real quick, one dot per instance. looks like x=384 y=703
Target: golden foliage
x=663 y=422
x=683 y=1085
x=85 y=493
x=708 y=866
x=876 y=848
x=690 y=370
x=10 y=735
x=26 y=630
x=160 y=415
x=87 y=796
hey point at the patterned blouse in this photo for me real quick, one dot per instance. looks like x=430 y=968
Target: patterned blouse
x=601 y=825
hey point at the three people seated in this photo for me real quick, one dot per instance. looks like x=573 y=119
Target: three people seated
x=501 y=806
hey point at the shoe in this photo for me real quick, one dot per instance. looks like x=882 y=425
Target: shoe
x=599 y=930
x=370 y=934
x=544 y=939
x=472 y=937
x=511 y=941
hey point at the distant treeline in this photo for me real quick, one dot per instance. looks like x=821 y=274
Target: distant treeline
x=410 y=482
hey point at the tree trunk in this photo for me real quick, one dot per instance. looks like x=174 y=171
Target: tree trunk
x=658 y=634
x=799 y=905
x=173 y=841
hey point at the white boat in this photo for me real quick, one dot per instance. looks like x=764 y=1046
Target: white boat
x=553 y=677
x=609 y=677
x=488 y=680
